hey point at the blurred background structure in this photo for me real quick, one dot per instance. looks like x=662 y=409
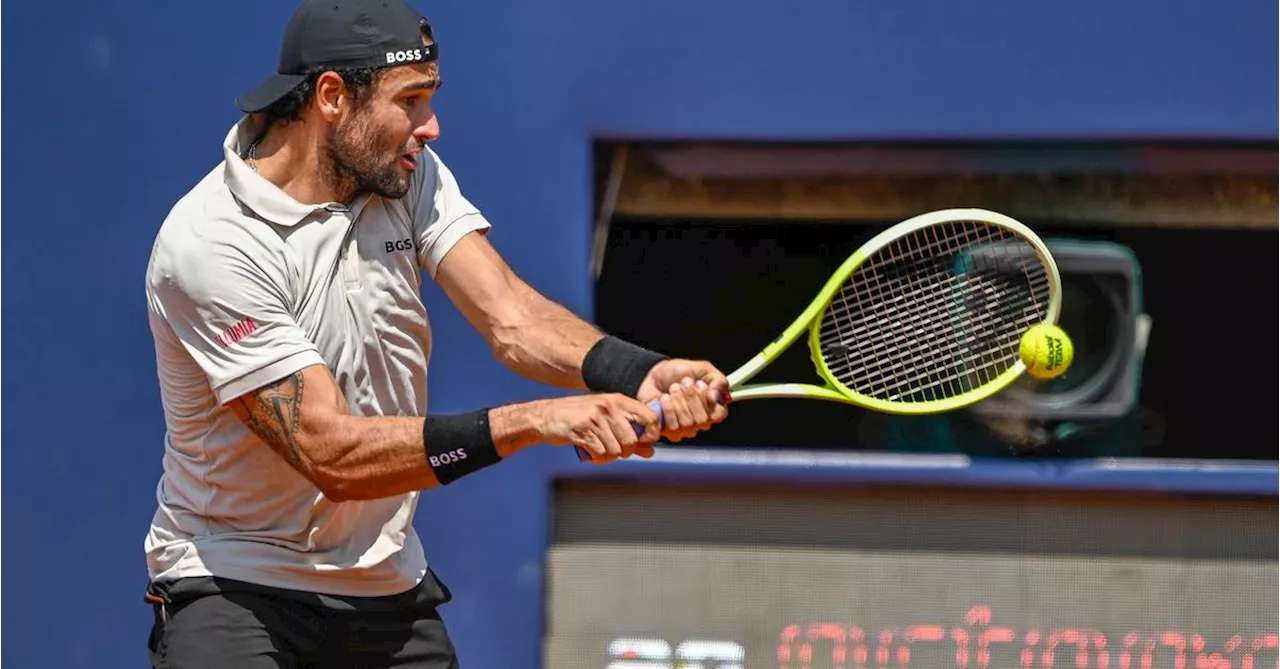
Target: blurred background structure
x=1124 y=515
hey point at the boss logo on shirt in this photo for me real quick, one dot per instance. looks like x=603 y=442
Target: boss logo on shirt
x=448 y=457
x=399 y=245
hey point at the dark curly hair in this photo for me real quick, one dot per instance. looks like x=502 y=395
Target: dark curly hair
x=359 y=82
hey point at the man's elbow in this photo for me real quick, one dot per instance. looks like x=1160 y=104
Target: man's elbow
x=339 y=488
x=338 y=491
x=330 y=482
x=338 y=483
x=324 y=470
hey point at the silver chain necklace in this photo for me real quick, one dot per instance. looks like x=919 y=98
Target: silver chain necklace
x=251 y=156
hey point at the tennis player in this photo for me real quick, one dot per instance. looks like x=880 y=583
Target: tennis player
x=292 y=348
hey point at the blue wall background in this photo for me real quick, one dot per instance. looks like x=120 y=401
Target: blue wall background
x=115 y=109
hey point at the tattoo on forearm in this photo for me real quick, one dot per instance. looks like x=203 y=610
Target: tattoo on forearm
x=274 y=413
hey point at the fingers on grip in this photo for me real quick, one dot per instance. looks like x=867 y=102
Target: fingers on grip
x=585 y=455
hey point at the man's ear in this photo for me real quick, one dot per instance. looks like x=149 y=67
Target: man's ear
x=331 y=96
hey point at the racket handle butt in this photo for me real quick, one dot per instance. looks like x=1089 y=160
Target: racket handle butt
x=585 y=456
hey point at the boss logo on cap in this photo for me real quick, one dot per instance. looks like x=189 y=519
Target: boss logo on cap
x=408 y=56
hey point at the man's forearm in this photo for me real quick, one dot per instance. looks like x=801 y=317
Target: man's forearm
x=547 y=343
x=374 y=457
x=379 y=457
x=303 y=418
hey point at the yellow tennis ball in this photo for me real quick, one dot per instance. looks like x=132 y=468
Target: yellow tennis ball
x=1046 y=350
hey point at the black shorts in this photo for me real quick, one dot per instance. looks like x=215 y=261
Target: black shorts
x=211 y=623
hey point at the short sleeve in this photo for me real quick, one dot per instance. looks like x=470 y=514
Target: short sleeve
x=228 y=306
x=441 y=215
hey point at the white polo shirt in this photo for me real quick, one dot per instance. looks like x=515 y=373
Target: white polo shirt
x=246 y=286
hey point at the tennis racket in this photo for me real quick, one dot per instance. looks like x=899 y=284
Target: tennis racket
x=924 y=318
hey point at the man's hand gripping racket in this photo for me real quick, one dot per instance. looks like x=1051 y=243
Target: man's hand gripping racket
x=926 y=317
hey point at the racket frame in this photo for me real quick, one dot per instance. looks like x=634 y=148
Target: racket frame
x=810 y=320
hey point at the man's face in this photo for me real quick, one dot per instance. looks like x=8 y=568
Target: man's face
x=376 y=144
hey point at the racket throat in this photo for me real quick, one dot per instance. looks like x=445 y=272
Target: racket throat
x=748 y=370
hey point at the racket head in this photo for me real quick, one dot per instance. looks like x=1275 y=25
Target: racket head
x=926 y=317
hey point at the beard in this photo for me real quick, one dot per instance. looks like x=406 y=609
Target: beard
x=358 y=165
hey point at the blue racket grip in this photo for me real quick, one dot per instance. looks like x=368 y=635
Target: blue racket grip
x=585 y=456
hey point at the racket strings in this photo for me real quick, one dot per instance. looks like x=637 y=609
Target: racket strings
x=918 y=282
x=875 y=360
x=893 y=356
x=981 y=362
x=982 y=367
x=944 y=283
x=936 y=313
x=975 y=363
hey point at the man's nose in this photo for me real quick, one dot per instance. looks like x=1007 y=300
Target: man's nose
x=428 y=131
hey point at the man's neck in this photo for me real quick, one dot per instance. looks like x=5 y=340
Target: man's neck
x=289 y=157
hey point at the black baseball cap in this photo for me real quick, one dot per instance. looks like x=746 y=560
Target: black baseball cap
x=336 y=34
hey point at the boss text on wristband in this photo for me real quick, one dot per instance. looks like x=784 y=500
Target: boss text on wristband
x=459 y=444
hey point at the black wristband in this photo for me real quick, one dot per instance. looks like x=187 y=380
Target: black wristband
x=617 y=366
x=459 y=444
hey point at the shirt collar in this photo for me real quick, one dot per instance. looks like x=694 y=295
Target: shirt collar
x=257 y=193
